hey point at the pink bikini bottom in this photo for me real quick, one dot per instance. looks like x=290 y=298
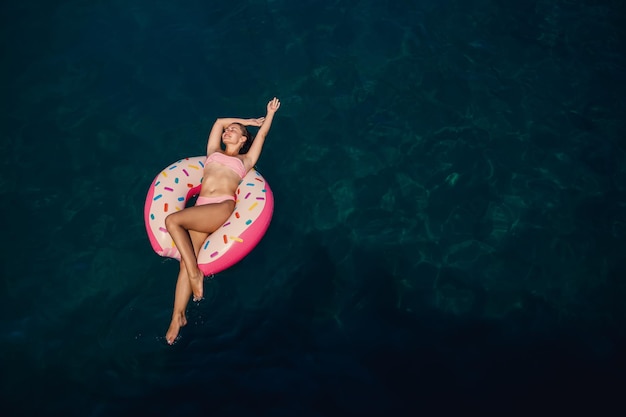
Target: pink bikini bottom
x=213 y=200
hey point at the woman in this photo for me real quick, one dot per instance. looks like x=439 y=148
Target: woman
x=223 y=171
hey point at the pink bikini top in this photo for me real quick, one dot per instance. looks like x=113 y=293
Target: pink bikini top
x=231 y=162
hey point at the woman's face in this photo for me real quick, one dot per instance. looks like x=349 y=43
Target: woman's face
x=233 y=134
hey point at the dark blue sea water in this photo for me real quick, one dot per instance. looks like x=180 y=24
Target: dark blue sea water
x=450 y=226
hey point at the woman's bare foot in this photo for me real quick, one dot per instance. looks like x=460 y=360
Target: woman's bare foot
x=196 y=279
x=178 y=320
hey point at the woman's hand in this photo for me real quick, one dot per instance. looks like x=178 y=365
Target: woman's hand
x=256 y=122
x=273 y=105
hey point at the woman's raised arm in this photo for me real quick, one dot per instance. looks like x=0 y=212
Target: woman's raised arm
x=252 y=156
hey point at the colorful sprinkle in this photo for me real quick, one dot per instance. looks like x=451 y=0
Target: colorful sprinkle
x=164 y=173
x=185 y=171
x=165 y=207
x=214 y=254
x=253 y=206
x=201 y=164
x=181 y=198
x=190 y=185
x=151 y=216
x=157 y=197
x=193 y=166
x=206 y=245
x=173 y=167
x=237 y=214
x=246 y=197
x=176 y=180
x=168 y=188
x=260 y=198
x=248 y=222
x=225 y=224
x=163 y=229
x=236 y=239
x=225 y=239
x=250 y=184
x=156 y=184
x=258 y=179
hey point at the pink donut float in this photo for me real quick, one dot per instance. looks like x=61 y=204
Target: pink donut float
x=177 y=183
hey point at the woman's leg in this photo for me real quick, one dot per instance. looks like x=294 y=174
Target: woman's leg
x=183 y=292
x=206 y=219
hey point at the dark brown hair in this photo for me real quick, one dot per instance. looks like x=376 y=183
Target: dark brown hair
x=249 y=139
